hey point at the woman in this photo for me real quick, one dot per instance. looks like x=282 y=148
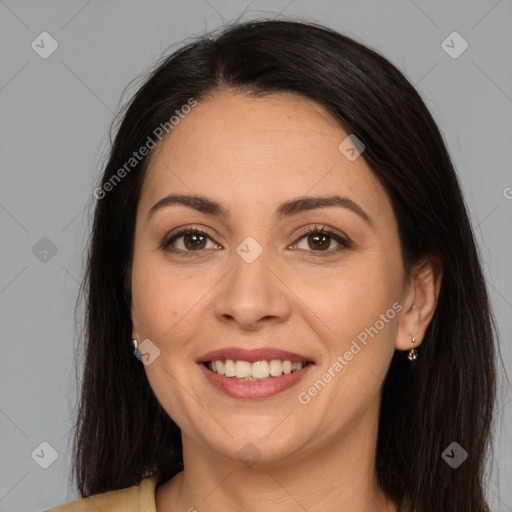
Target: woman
x=280 y=233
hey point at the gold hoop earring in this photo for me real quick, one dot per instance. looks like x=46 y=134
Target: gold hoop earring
x=413 y=353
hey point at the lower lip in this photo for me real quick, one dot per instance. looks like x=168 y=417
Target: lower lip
x=254 y=389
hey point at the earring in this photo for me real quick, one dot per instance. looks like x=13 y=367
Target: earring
x=136 y=350
x=413 y=353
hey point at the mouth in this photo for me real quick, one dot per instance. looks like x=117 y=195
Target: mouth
x=259 y=373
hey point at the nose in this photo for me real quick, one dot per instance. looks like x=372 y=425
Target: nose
x=252 y=295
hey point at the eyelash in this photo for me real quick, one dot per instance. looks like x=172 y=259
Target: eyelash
x=344 y=242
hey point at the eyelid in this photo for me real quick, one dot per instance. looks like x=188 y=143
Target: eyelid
x=319 y=228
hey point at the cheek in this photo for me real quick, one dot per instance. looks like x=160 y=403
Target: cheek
x=154 y=307
x=361 y=309
x=158 y=300
x=167 y=300
x=357 y=296
x=164 y=303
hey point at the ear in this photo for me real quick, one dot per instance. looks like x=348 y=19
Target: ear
x=419 y=302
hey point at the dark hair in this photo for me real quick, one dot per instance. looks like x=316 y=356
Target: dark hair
x=123 y=434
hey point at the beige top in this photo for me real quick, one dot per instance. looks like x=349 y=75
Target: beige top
x=139 y=498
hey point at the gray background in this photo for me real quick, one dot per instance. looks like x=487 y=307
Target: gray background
x=55 y=114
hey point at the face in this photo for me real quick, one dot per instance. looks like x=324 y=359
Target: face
x=257 y=283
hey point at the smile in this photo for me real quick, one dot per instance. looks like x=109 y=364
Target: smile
x=253 y=374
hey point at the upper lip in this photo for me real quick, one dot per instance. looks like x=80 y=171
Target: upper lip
x=252 y=355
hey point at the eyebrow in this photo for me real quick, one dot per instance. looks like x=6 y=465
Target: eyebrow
x=294 y=207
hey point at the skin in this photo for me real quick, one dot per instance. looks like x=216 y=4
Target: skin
x=251 y=154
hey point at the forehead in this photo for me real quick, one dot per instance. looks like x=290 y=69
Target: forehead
x=246 y=150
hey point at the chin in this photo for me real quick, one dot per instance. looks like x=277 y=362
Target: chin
x=258 y=441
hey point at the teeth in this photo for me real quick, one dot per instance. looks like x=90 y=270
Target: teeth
x=229 y=368
x=296 y=366
x=259 y=370
x=219 y=367
x=243 y=369
x=275 y=367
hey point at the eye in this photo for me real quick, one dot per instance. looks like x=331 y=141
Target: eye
x=188 y=240
x=319 y=240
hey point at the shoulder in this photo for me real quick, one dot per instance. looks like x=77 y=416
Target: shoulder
x=132 y=499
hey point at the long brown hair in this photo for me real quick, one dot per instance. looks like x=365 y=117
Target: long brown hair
x=122 y=432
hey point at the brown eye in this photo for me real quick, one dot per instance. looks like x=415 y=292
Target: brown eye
x=321 y=240
x=193 y=241
x=187 y=241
